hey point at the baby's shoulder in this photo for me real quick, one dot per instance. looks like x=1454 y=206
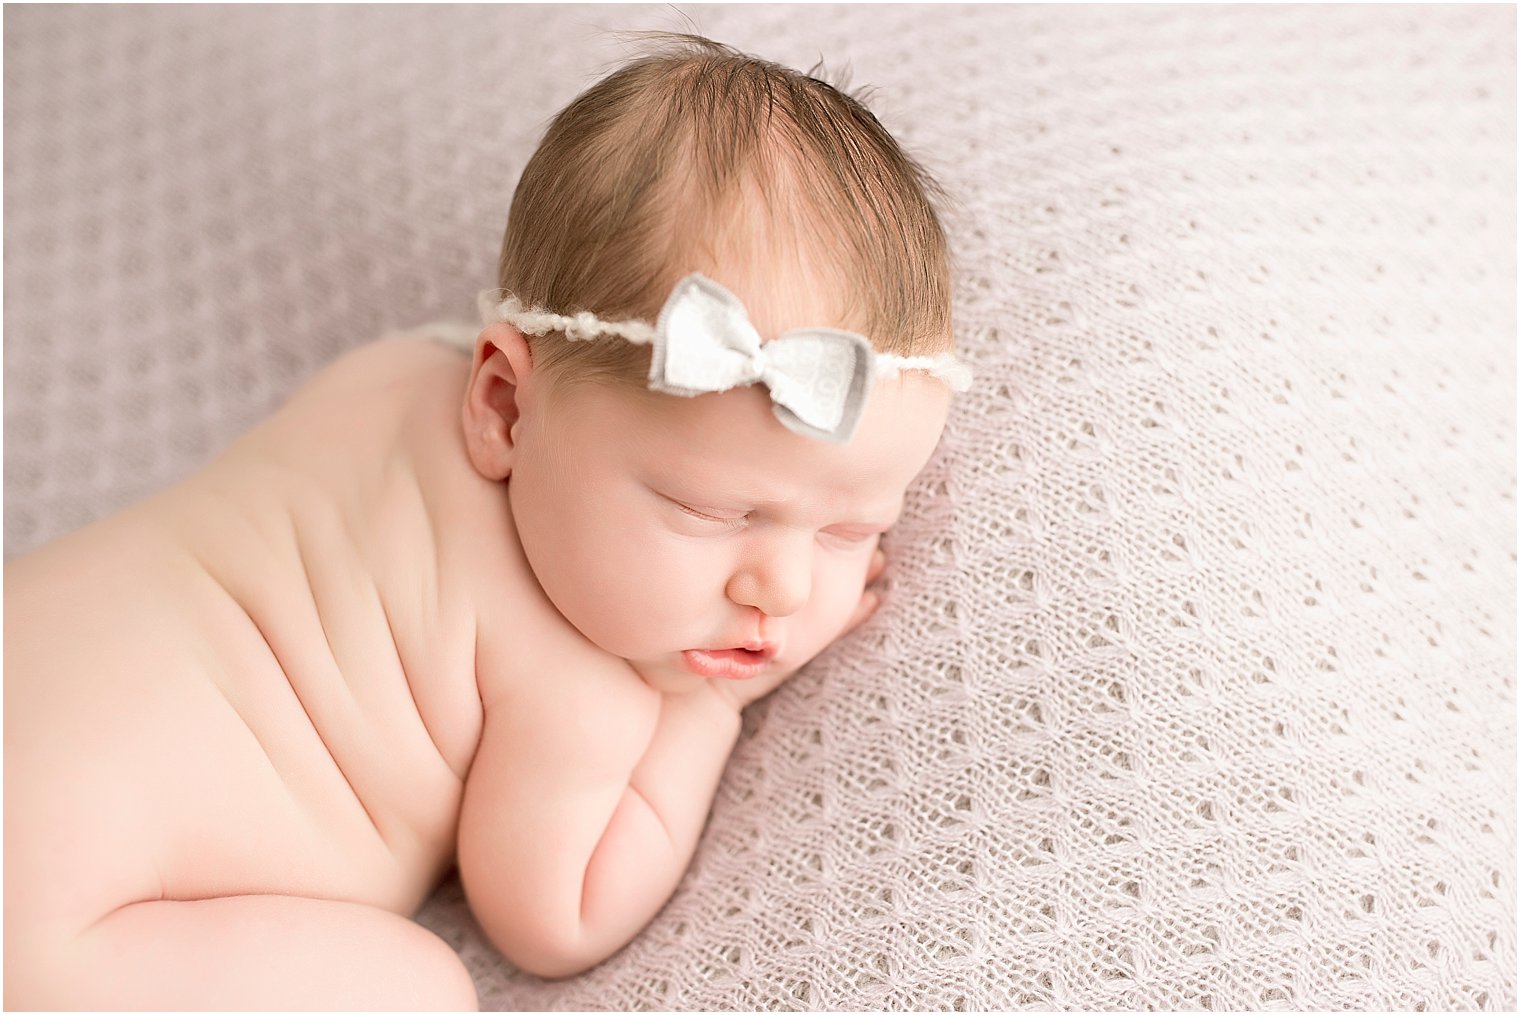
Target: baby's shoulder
x=344 y=424
x=368 y=392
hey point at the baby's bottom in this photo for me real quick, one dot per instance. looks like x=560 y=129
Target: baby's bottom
x=248 y=952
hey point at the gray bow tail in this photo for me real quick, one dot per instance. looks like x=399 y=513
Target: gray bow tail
x=819 y=381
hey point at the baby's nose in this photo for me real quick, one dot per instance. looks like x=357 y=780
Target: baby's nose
x=778 y=583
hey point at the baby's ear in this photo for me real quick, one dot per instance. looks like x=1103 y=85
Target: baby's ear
x=494 y=402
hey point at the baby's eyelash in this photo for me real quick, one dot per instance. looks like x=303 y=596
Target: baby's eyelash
x=852 y=539
x=732 y=523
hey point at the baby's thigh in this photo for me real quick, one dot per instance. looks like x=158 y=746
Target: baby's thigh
x=269 y=952
x=129 y=777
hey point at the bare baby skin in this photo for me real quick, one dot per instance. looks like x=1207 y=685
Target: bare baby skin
x=435 y=610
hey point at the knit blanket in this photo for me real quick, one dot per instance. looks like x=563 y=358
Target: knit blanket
x=1194 y=686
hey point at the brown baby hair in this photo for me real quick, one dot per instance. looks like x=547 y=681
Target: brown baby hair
x=652 y=165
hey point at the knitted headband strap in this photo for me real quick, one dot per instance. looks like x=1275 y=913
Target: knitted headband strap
x=818 y=378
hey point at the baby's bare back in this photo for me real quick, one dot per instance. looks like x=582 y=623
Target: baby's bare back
x=258 y=682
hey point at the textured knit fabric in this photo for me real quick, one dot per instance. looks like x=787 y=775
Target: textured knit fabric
x=1194 y=685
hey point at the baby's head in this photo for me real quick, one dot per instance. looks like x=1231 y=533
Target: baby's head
x=698 y=158
x=658 y=523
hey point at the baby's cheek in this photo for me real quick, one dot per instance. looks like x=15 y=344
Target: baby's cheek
x=660 y=594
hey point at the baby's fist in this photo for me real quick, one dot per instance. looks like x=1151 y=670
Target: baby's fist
x=869 y=599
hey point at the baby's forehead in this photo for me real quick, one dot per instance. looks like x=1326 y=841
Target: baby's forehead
x=782 y=270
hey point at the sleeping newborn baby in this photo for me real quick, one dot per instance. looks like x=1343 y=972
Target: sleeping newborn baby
x=500 y=609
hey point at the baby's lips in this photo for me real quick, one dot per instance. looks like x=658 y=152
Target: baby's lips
x=729 y=663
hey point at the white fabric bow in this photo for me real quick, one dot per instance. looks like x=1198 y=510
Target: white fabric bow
x=818 y=378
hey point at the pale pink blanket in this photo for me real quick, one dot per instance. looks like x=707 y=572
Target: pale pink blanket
x=1195 y=687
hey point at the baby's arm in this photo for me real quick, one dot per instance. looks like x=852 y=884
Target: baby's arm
x=586 y=799
x=582 y=810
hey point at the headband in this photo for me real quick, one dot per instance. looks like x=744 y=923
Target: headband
x=703 y=342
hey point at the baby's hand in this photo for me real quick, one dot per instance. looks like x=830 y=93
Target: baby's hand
x=869 y=600
x=739 y=693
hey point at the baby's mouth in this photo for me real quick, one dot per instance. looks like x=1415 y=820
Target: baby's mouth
x=741 y=663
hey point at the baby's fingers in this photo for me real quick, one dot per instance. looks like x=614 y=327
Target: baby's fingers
x=869 y=601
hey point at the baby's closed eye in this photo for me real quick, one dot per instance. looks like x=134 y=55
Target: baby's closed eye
x=852 y=538
x=848 y=536
x=727 y=519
